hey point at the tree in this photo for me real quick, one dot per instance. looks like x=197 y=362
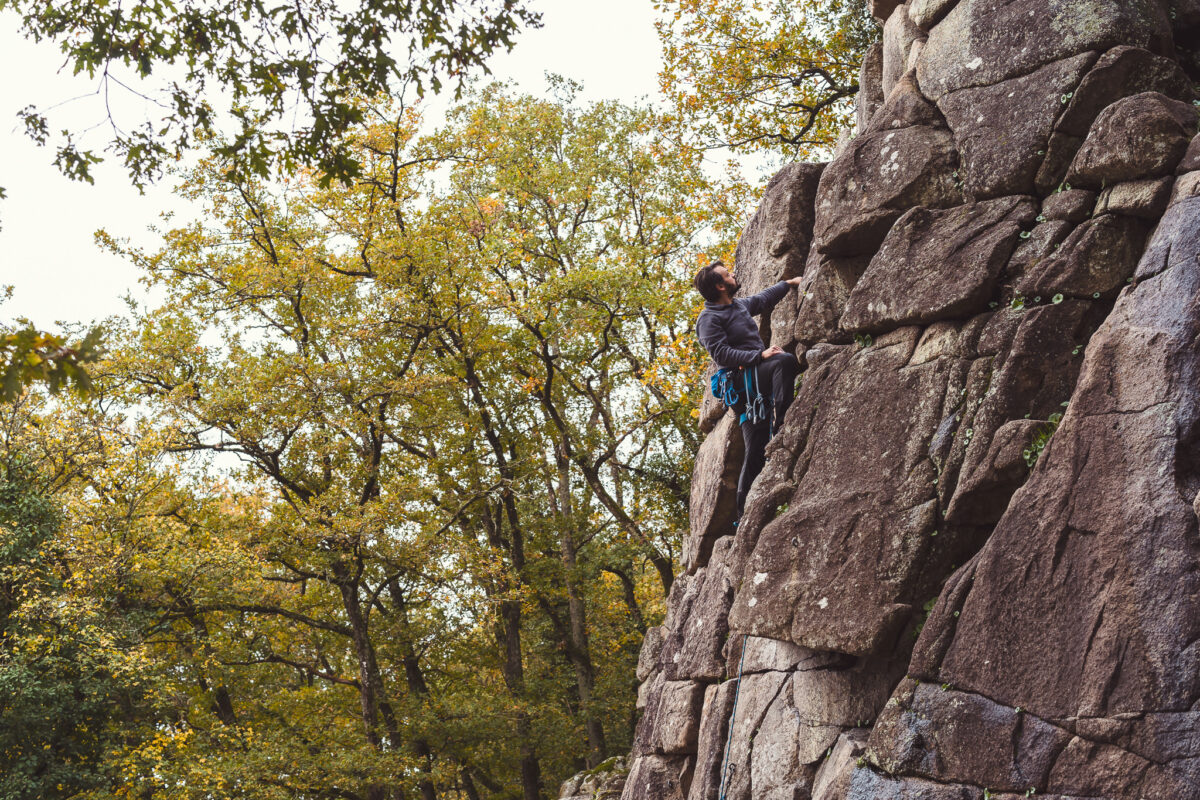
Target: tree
x=276 y=61
x=70 y=689
x=29 y=356
x=749 y=75
x=460 y=392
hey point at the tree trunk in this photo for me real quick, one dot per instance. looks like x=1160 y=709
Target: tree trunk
x=578 y=651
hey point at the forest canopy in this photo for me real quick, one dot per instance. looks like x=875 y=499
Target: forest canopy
x=385 y=492
x=379 y=492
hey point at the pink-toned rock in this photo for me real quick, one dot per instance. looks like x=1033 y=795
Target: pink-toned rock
x=879 y=177
x=713 y=500
x=937 y=265
x=984 y=42
x=710 y=748
x=774 y=244
x=1094 y=261
x=1003 y=139
x=822 y=298
x=658 y=777
x=711 y=409
x=870 y=86
x=927 y=13
x=1191 y=159
x=1143 y=136
x=899 y=34
x=1081 y=605
x=1073 y=205
x=1146 y=199
x=694 y=634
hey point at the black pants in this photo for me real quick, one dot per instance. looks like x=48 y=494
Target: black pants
x=776 y=380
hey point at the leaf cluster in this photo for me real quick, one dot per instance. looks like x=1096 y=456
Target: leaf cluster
x=28 y=355
x=290 y=71
x=751 y=75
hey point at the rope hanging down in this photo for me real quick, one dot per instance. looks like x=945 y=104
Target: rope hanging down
x=732 y=719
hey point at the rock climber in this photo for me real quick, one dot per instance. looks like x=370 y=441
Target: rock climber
x=727 y=330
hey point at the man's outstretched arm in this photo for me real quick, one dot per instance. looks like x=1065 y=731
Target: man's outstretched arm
x=768 y=298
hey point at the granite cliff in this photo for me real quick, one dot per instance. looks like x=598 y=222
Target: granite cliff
x=971 y=566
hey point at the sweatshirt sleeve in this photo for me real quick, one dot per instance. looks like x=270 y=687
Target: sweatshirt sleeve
x=766 y=299
x=716 y=342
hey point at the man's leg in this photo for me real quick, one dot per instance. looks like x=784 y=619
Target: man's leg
x=755 y=436
x=777 y=377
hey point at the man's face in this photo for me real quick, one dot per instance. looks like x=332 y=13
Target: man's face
x=730 y=282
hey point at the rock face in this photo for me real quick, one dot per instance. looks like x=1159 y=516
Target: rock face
x=971 y=565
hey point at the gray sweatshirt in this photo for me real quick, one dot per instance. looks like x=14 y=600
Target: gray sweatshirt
x=728 y=332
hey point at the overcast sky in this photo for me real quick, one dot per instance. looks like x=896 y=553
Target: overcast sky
x=46 y=249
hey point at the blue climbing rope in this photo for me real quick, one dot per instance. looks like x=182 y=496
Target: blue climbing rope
x=732 y=718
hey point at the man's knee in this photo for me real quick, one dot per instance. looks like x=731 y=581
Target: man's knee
x=791 y=364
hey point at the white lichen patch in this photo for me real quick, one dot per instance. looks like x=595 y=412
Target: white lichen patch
x=974 y=63
x=759 y=577
x=753 y=602
x=823 y=602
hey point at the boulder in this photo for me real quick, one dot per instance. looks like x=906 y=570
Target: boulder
x=774 y=244
x=899 y=34
x=870 y=86
x=1030 y=376
x=927 y=13
x=937 y=265
x=1095 y=260
x=883 y=9
x=879 y=177
x=866 y=784
x=1146 y=199
x=1044 y=242
x=984 y=42
x=1073 y=205
x=822 y=298
x=833 y=778
x=819 y=572
x=1186 y=186
x=777 y=655
x=1002 y=131
x=1068 y=615
x=605 y=782
x=1006 y=749
x=712 y=503
x=906 y=107
x=1121 y=72
x=1191 y=159
x=648 y=656
x=773 y=752
x=1143 y=136
x=983 y=492
x=711 y=409
x=694 y=635
x=710 y=748
x=658 y=777
x=678 y=719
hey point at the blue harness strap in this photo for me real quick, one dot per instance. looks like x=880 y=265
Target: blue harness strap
x=725 y=389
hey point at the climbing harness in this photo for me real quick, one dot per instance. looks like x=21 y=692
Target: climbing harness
x=732 y=719
x=725 y=389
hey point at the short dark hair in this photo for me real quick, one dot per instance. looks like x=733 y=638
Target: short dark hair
x=708 y=283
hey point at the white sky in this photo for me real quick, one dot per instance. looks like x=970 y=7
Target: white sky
x=46 y=249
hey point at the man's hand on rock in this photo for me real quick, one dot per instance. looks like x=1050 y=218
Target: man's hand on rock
x=794 y=281
x=771 y=351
